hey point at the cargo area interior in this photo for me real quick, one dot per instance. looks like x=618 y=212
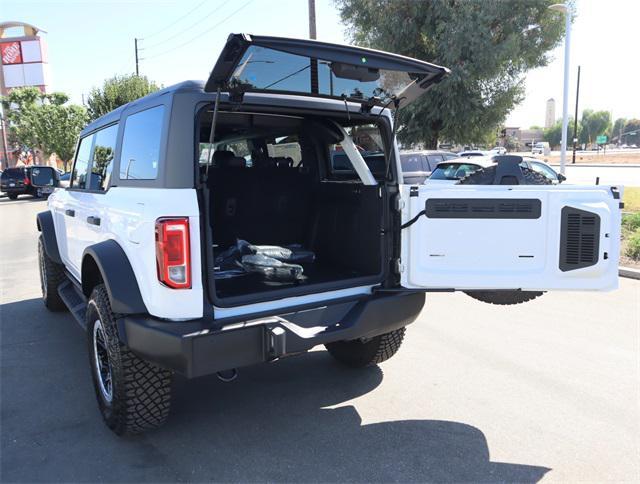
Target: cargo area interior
x=285 y=181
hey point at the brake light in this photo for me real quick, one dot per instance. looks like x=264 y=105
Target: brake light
x=173 y=252
x=26 y=180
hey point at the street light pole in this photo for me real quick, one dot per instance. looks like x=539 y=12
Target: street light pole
x=575 y=119
x=566 y=9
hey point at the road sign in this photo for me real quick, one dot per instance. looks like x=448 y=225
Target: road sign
x=602 y=139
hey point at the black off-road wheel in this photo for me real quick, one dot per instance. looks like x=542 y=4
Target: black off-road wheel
x=504 y=298
x=486 y=176
x=51 y=276
x=360 y=353
x=133 y=395
x=13 y=196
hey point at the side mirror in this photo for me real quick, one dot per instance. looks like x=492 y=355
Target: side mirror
x=561 y=178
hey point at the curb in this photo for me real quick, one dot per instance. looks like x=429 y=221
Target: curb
x=629 y=272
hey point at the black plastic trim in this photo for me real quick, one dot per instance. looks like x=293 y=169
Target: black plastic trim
x=196 y=348
x=483 y=208
x=47 y=228
x=579 y=239
x=117 y=275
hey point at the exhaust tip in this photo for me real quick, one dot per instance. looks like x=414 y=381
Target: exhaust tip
x=227 y=376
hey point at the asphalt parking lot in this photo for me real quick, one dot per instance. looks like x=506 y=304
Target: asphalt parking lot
x=549 y=390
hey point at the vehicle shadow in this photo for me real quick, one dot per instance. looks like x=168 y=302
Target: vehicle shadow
x=287 y=421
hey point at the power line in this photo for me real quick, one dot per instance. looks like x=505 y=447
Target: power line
x=200 y=34
x=195 y=24
x=175 y=21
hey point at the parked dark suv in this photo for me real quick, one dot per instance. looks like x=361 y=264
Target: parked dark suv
x=418 y=165
x=38 y=181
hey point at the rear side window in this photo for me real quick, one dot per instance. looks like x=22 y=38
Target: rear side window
x=411 y=163
x=103 y=153
x=13 y=173
x=81 y=166
x=140 y=152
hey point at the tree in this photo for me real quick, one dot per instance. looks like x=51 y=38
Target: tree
x=631 y=126
x=594 y=123
x=117 y=91
x=553 y=134
x=618 y=128
x=44 y=121
x=488 y=46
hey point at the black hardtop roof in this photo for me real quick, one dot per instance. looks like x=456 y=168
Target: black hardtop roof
x=114 y=116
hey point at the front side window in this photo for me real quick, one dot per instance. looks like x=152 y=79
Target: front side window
x=103 y=153
x=544 y=170
x=140 y=152
x=81 y=166
x=287 y=147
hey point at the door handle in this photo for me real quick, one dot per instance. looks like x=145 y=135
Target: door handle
x=70 y=213
x=93 y=220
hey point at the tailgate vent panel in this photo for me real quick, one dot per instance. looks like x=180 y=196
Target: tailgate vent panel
x=579 y=239
x=497 y=208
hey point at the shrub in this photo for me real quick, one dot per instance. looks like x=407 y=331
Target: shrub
x=631 y=221
x=633 y=246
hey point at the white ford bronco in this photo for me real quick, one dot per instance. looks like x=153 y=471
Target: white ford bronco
x=209 y=227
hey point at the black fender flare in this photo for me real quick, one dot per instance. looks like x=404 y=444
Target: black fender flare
x=44 y=221
x=117 y=276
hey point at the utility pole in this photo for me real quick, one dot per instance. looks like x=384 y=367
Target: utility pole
x=136 y=45
x=312 y=35
x=575 y=120
x=312 y=19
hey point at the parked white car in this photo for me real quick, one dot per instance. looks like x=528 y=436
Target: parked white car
x=472 y=153
x=541 y=148
x=452 y=171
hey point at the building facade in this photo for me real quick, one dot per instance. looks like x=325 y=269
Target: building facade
x=23 y=62
x=23 y=53
x=550 y=113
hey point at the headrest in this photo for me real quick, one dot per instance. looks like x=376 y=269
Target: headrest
x=226 y=159
x=220 y=156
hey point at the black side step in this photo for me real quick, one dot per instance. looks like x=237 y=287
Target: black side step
x=75 y=301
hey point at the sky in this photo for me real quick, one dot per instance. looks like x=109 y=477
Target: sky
x=92 y=40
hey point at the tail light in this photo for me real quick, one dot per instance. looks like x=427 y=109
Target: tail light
x=26 y=180
x=173 y=252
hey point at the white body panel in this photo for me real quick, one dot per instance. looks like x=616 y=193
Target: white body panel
x=128 y=216
x=482 y=253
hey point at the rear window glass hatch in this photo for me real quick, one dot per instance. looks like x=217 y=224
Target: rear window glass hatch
x=321 y=69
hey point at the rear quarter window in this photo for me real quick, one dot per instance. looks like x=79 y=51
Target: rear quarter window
x=140 y=154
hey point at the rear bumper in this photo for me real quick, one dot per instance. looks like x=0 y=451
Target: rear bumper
x=197 y=348
x=14 y=190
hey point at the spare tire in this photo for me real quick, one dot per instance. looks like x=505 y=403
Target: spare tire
x=487 y=176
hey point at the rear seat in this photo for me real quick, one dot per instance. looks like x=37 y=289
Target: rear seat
x=270 y=205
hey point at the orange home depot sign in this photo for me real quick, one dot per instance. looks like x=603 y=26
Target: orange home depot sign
x=11 y=53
